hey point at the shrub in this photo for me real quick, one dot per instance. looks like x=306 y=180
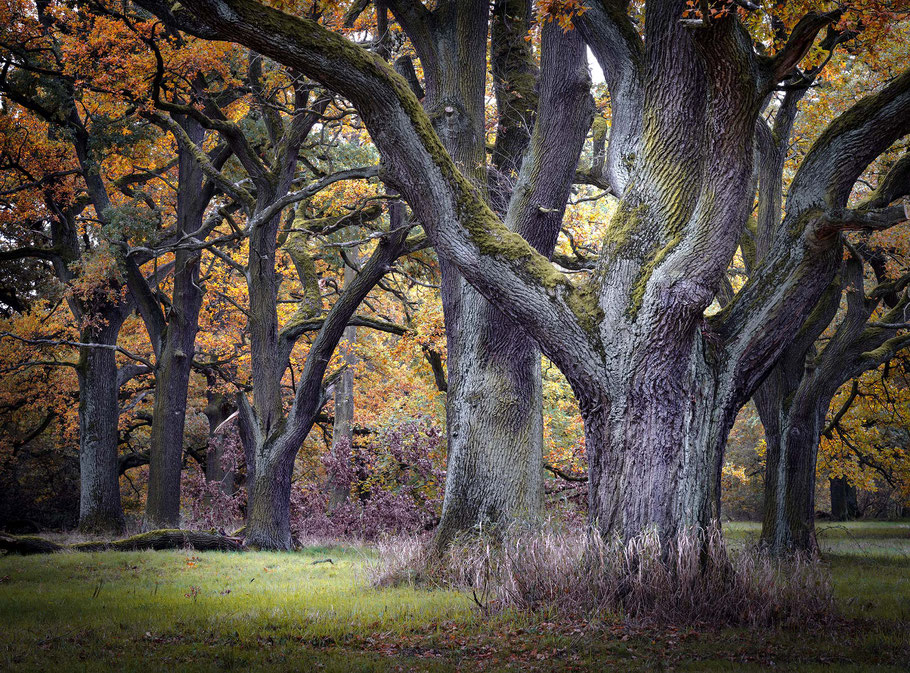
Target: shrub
x=395 y=486
x=215 y=504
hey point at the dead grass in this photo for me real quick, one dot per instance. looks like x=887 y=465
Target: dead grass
x=692 y=579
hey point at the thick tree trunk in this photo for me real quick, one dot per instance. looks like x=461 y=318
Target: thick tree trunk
x=495 y=423
x=792 y=411
x=789 y=517
x=655 y=448
x=99 y=499
x=635 y=343
x=494 y=410
x=268 y=520
x=843 y=499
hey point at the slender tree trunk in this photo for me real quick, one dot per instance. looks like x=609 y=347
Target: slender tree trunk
x=99 y=501
x=218 y=409
x=175 y=357
x=343 y=426
x=171 y=384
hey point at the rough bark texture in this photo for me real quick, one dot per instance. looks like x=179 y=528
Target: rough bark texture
x=99 y=411
x=268 y=516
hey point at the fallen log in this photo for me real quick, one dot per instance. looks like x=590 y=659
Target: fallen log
x=155 y=539
x=28 y=544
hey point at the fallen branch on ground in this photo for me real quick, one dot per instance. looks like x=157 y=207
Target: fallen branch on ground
x=156 y=539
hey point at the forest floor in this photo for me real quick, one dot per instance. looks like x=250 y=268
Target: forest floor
x=212 y=611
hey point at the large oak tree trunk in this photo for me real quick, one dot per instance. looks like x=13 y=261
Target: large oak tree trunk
x=654 y=447
x=268 y=519
x=99 y=499
x=495 y=423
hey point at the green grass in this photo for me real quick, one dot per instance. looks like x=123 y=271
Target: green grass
x=194 y=611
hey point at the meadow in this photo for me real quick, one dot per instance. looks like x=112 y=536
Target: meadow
x=313 y=610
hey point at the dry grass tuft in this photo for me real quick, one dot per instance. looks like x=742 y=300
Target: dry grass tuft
x=692 y=579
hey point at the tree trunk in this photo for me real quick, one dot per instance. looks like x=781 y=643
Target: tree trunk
x=217 y=411
x=171 y=382
x=658 y=381
x=789 y=518
x=793 y=414
x=268 y=520
x=99 y=500
x=175 y=357
x=843 y=499
x=494 y=411
x=343 y=426
x=655 y=448
x=495 y=423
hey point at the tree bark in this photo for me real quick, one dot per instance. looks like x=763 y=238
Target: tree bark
x=268 y=519
x=343 y=425
x=843 y=499
x=175 y=357
x=99 y=499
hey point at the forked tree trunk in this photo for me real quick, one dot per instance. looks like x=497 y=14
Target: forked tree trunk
x=99 y=499
x=494 y=411
x=658 y=381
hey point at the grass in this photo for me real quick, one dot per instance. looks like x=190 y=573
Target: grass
x=195 y=611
